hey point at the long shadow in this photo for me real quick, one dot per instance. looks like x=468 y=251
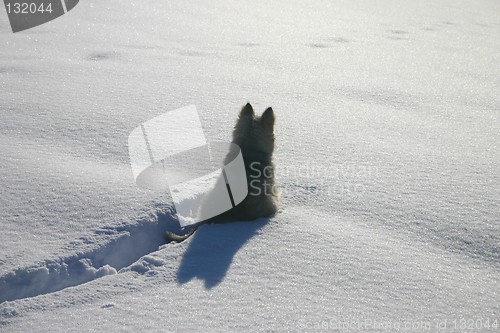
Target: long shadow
x=212 y=248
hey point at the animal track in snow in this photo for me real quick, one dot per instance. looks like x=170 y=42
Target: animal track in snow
x=128 y=244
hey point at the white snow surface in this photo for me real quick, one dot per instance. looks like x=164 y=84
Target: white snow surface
x=387 y=154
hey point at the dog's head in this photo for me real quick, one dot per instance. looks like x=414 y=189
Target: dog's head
x=253 y=132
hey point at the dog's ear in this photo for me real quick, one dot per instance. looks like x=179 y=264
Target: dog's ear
x=247 y=110
x=267 y=120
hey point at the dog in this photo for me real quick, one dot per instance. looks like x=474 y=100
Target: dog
x=255 y=137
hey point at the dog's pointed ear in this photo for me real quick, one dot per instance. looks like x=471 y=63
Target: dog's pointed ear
x=267 y=120
x=247 y=110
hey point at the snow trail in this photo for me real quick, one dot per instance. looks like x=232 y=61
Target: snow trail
x=127 y=245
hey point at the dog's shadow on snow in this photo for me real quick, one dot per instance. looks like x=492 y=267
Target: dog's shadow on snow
x=211 y=250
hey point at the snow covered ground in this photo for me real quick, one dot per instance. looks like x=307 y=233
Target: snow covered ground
x=387 y=154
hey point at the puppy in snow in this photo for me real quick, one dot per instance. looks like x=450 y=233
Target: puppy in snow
x=255 y=137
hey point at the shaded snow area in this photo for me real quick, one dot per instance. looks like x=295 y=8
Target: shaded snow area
x=387 y=154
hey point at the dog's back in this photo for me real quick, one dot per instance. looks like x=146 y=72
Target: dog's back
x=255 y=136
